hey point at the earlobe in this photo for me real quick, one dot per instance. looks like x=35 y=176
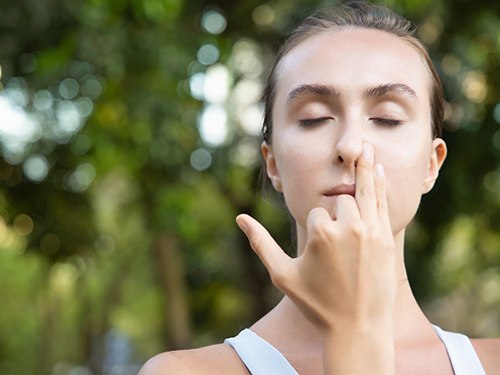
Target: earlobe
x=271 y=168
x=438 y=154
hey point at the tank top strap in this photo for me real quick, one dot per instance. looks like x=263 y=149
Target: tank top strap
x=462 y=355
x=259 y=356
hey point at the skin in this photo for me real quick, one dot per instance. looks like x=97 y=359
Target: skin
x=352 y=158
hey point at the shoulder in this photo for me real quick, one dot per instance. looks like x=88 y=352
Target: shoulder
x=214 y=359
x=488 y=351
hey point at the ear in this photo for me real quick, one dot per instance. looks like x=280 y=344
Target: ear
x=438 y=154
x=271 y=168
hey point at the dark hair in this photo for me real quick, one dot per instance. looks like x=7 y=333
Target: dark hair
x=354 y=14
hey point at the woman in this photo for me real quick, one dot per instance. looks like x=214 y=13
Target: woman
x=354 y=110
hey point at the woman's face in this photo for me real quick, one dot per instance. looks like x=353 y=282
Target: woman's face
x=337 y=90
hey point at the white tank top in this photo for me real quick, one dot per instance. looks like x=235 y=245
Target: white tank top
x=261 y=358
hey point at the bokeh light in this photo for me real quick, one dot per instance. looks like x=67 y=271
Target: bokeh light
x=36 y=167
x=208 y=54
x=201 y=159
x=213 y=22
x=213 y=125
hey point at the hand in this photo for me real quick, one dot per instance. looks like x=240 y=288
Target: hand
x=346 y=274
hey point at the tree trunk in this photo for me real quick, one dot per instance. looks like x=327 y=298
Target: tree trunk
x=170 y=269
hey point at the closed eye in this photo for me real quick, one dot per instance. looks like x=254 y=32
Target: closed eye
x=313 y=121
x=386 y=121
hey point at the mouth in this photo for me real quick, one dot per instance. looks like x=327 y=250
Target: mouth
x=341 y=189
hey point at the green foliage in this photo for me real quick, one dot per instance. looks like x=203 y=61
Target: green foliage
x=21 y=276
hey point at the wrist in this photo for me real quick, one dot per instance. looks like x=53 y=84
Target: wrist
x=366 y=348
x=365 y=325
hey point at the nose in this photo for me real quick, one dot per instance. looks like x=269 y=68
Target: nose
x=349 y=145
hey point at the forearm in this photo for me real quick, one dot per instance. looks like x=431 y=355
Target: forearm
x=357 y=350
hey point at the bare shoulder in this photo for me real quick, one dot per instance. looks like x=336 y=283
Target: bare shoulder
x=488 y=351
x=214 y=359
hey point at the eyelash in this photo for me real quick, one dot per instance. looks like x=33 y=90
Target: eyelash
x=386 y=121
x=378 y=120
x=313 y=121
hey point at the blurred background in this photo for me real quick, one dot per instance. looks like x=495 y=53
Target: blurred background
x=129 y=140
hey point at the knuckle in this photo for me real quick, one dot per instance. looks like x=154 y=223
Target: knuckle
x=379 y=185
x=366 y=191
x=357 y=229
x=321 y=232
x=255 y=242
x=382 y=204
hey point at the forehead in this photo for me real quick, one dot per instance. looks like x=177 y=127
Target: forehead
x=353 y=58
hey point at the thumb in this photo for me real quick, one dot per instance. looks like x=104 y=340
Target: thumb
x=264 y=245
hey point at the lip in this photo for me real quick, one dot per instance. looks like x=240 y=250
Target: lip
x=341 y=189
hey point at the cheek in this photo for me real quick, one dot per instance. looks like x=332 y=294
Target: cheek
x=300 y=163
x=298 y=156
x=404 y=180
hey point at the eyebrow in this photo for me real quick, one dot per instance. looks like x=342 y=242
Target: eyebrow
x=311 y=89
x=391 y=88
x=330 y=91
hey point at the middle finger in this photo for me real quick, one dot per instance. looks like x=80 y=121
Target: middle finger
x=365 y=186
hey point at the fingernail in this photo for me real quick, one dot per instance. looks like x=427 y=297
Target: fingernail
x=367 y=151
x=241 y=223
x=379 y=170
